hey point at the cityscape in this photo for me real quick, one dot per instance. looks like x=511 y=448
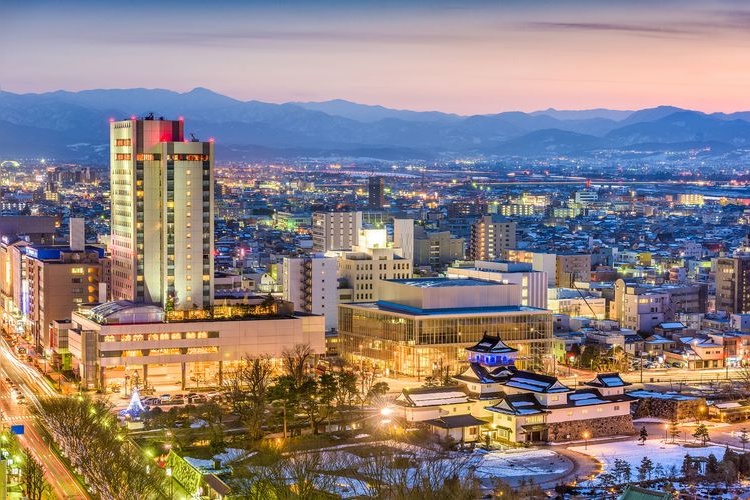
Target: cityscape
x=409 y=250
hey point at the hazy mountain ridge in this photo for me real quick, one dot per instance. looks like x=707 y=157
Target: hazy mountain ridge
x=51 y=122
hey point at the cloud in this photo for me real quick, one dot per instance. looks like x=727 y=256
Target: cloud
x=635 y=29
x=292 y=36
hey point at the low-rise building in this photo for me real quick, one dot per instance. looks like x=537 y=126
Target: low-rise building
x=117 y=343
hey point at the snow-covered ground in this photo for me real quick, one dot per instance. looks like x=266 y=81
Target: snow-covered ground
x=665 y=454
x=529 y=463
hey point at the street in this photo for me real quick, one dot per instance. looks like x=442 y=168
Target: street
x=31 y=384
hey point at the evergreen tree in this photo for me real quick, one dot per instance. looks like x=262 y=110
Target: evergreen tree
x=712 y=466
x=643 y=435
x=646 y=468
x=674 y=429
x=659 y=471
x=744 y=437
x=701 y=432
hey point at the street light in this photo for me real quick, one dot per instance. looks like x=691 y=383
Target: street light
x=586 y=436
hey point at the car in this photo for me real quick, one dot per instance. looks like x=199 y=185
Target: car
x=197 y=399
x=165 y=397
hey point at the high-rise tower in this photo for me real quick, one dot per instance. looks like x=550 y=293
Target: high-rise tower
x=376 y=192
x=162 y=227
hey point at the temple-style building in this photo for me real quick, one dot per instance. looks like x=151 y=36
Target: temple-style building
x=494 y=399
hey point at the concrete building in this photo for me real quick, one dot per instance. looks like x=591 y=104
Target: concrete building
x=60 y=280
x=311 y=283
x=533 y=283
x=420 y=327
x=426 y=249
x=491 y=235
x=574 y=302
x=562 y=269
x=642 y=307
x=376 y=192
x=335 y=231
x=123 y=343
x=162 y=191
x=371 y=262
x=572 y=267
x=733 y=284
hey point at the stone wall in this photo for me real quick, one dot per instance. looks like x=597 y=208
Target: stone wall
x=619 y=425
x=670 y=409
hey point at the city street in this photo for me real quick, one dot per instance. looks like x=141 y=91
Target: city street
x=31 y=384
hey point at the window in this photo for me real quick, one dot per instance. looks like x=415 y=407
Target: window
x=76 y=270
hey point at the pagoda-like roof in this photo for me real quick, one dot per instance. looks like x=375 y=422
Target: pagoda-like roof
x=491 y=345
x=608 y=380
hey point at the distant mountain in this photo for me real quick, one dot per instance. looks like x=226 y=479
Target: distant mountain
x=368 y=113
x=584 y=114
x=649 y=114
x=73 y=125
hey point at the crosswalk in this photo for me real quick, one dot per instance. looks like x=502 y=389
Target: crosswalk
x=17 y=418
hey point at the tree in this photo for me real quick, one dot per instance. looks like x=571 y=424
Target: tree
x=701 y=432
x=645 y=469
x=659 y=471
x=744 y=438
x=296 y=360
x=689 y=469
x=674 y=429
x=622 y=470
x=32 y=477
x=338 y=390
x=643 y=435
x=310 y=403
x=248 y=391
x=712 y=466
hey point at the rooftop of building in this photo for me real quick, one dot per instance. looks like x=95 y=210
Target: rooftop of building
x=128 y=312
x=384 y=305
x=444 y=282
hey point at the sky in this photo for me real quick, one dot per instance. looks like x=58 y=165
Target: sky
x=465 y=57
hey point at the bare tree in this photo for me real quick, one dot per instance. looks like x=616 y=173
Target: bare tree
x=296 y=360
x=32 y=477
x=248 y=392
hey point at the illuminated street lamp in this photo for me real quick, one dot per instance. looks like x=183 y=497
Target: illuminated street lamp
x=586 y=436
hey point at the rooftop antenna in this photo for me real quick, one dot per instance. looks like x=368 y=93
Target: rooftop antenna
x=193 y=138
x=150 y=116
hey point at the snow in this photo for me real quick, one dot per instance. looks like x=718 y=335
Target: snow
x=230 y=455
x=661 y=395
x=514 y=463
x=198 y=424
x=665 y=454
x=438 y=398
x=650 y=420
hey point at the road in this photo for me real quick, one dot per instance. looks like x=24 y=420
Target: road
x=32 y=384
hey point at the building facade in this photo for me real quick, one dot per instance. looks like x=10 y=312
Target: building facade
x=335 y=231
x=119 y=343
x=162 y=236
x=376 y=192
x=422 y=326
x=491 y=235
x=733 y=284
x=311 y=283
x=60 y=280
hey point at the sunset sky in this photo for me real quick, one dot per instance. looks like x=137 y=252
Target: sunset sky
x=457 y=56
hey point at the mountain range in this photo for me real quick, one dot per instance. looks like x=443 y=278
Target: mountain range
x=74 y=126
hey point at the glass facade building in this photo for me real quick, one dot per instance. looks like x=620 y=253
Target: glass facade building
x=399 y=339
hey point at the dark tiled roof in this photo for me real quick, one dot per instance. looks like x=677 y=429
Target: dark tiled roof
x=455 y=421
x=491 y=345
